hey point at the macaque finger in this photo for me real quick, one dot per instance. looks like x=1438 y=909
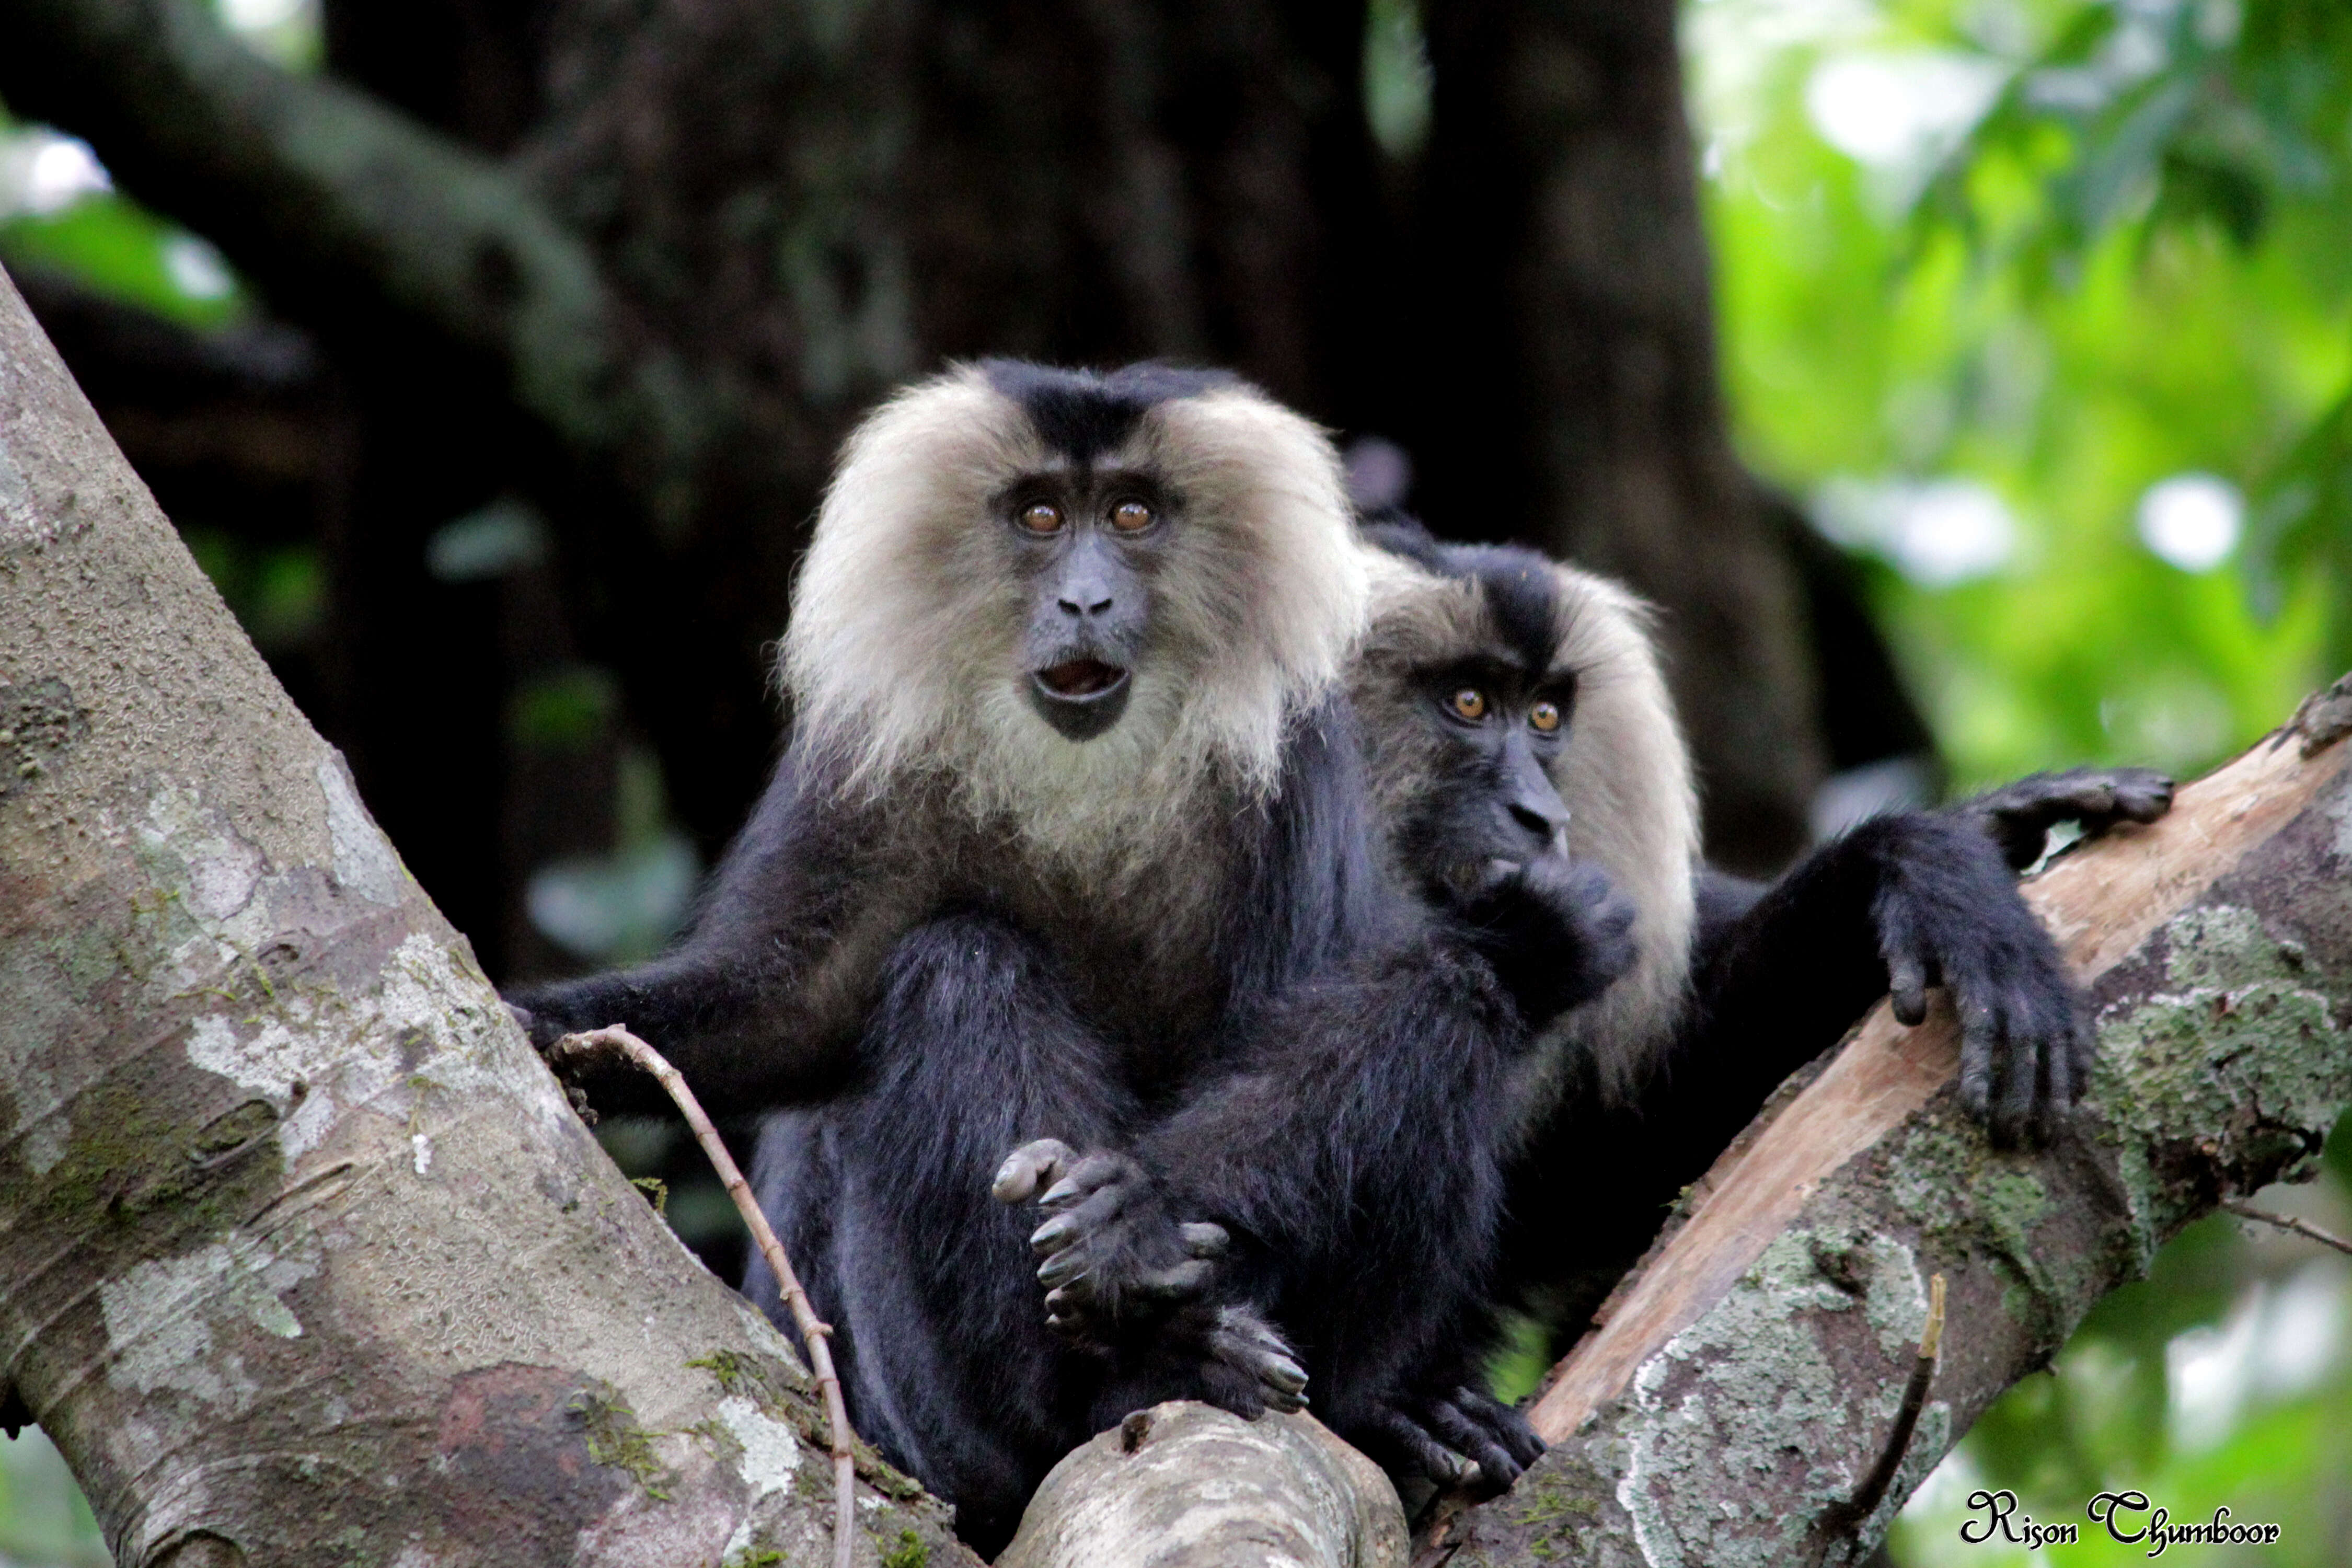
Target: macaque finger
x=1283 y=1375
x=1068 y=1303
x=1244 y=1340
x=1204 y=1239
x=1433 y=1458
x=2013 y=1113
x=1062 y=1268
x=1031 y=1167
x=1070 y=1226
x=1189 y=1278
x=1976 y=1042
x=1056 y=1234
x=1496 y=1465
x=1085 y=1177
x=1907 y=985
x=2059 y=1088
x=2142 y=794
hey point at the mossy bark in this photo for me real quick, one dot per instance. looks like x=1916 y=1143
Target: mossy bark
x=303 y=1258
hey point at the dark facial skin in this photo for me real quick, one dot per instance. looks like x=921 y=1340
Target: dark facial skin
x=1502 y=727
x=1490 y=846
x=1089 y=543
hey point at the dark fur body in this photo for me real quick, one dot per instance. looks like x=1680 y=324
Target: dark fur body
x=1351 y=1132
x=1232 y=985
x=1362 y=1183
x=1395 y=1314
x=1773 y=974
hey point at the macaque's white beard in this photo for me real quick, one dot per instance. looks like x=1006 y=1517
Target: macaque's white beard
x=1117 y=804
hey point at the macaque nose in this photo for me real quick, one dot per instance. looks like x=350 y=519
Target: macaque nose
x=1543 y=824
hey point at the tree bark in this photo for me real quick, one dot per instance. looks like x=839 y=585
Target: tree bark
x=303 y=1251
x=1186 y=1486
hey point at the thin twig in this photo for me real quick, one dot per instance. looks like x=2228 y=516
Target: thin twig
x=814 y=1332
x=1840 y=1520
x=2301 y=1228
x=1915 y=1399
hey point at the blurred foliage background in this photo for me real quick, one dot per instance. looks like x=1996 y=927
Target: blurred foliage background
x=2043 y=311
x=2046 y=310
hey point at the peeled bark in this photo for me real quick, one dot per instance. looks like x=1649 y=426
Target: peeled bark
x=301 y=1250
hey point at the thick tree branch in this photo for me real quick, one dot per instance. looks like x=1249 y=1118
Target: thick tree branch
x=356 y=220
x=814 y=1333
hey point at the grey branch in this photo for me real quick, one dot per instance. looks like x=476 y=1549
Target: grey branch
x=358 y=221
x=298 y=1241
x=2287 y=1222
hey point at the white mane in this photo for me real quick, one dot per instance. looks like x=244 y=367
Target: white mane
x=904 y=654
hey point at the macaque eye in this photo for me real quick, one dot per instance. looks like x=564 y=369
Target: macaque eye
x=1132 y=516
x=1468 y=703
x=1042 y=517
x=1544 y=716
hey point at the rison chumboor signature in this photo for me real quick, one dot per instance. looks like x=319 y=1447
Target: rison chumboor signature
x=2121 y=1514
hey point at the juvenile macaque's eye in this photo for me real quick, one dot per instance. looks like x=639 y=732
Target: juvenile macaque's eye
x=1468 y=703
x=1545 y=717
x=1132 y=516
x=1041 y=517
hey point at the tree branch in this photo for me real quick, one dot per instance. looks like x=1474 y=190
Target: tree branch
x=356 y=220
x=1186 y=1486
x=2290 y=1223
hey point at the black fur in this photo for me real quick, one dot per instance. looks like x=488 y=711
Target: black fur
x=1912 y=899
x=1348 y=1138
x=1357 y=1178
x=1082 y=414
x=1781 y=972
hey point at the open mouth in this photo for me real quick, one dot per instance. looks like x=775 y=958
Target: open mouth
x=1080 y=698
x=1077 y=678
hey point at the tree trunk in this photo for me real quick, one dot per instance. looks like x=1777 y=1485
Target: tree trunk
x=302 y=1249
